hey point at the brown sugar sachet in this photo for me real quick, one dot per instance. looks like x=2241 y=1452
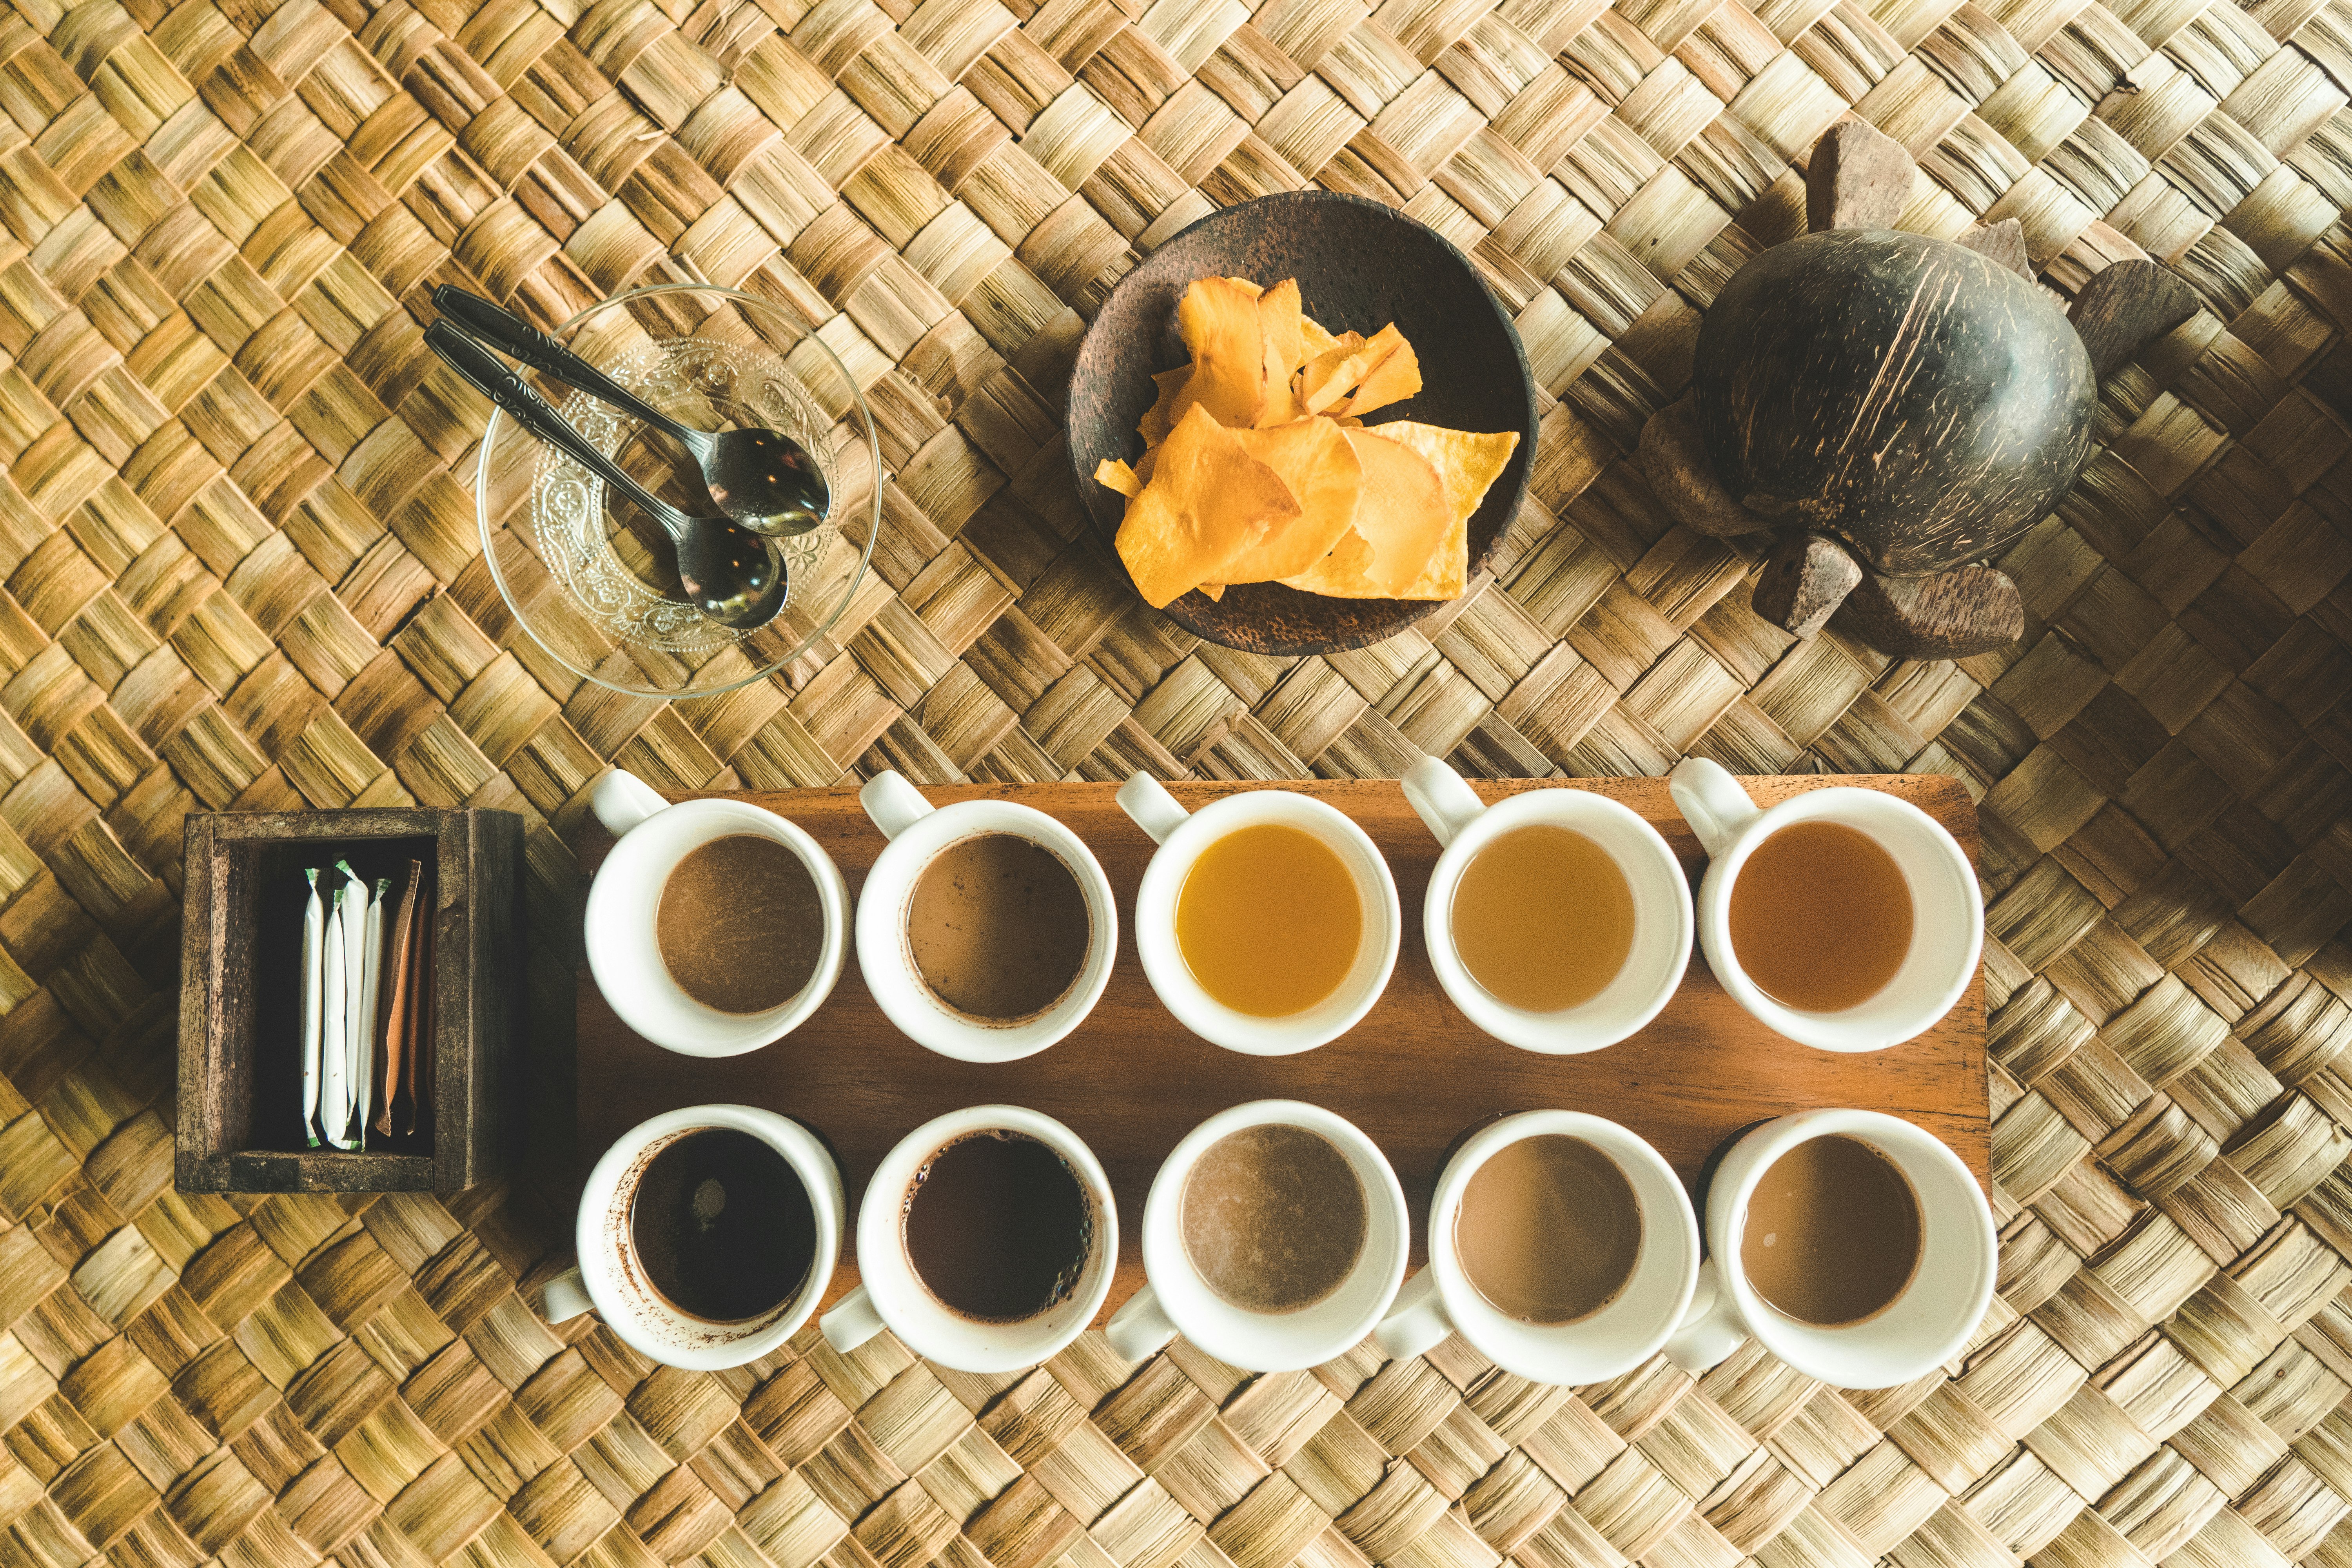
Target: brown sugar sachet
x=398 y=1055
x=420 y=1020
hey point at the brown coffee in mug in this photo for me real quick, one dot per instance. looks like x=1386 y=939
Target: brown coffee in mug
x=740 y=924
x=998 y=927
x=1820 y=917
x=998 y=1227
x=1832 y=1232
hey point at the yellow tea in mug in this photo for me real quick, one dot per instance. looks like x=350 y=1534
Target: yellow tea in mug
x=1542 y=918
x=1268 y=920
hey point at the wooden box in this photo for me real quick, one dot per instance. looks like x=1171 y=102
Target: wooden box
x=240 y=1125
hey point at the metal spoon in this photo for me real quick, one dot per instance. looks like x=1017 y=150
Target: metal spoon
x=762 y=479
x=730 y=575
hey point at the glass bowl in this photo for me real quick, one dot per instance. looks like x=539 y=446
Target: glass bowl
x=598 y=588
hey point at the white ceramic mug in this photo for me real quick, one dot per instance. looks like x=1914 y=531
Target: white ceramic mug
x=1623 y=1334
x=891 y=1295
x=651 y=837
x=1181 y=837
x=609 y=1278
x=1653 y=966
x=919 y=831
x=1176 y=1299
x=1947 y=906
x=1923 y=1327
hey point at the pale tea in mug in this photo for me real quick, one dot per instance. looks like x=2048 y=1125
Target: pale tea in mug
x=1543 y=919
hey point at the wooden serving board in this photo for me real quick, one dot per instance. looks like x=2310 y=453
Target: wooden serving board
x=1414 y=1075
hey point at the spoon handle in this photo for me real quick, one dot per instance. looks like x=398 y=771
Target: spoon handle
x=490 y=375
x=510 y=334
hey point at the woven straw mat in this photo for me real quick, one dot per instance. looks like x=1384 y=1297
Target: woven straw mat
x=242 y=571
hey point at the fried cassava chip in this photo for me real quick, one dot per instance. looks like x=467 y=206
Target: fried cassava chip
x=1160 y=417
x=1468 y=463
x=1325 y=379
x=1394 y=374
x=1221 y=326
x=1280 y=327
x=1323 y=473
x=1400 y=518
x=1206 y=503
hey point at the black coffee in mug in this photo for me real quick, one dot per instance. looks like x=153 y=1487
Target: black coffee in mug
x=722 y=1226
x=998 y=1227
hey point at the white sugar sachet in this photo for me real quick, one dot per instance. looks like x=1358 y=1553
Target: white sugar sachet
x=355 y=913
x=334 y=1099
x=370 y=1007
x=314 y=926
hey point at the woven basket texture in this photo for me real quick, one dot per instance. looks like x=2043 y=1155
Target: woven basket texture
x=242 y=571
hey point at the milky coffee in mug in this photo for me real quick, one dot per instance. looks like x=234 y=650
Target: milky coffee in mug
x=1548 y=1230
x=1274 y=1238
x=1561 y=1246
x=1832 y=1232
x=985 y=930
x=1853 y=1246
x=1847 y=918
x=713 y=927
x=1274 y=1217
x=740 y=923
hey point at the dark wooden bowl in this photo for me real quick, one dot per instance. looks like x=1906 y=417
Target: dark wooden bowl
x=1360 y=264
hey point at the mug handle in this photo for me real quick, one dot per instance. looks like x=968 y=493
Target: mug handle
x=893 y=802
x=565 y=1297
x=1711 y=1330
x=1155 y=811
x=1141 y=1328
x=1712 y=802
x=1445 y=804
x=621 y=800
x=853 y=1320
x=1419 y=1321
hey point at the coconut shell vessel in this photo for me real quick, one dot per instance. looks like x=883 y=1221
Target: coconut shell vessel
x=1897 y=407
x=1903 y=395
